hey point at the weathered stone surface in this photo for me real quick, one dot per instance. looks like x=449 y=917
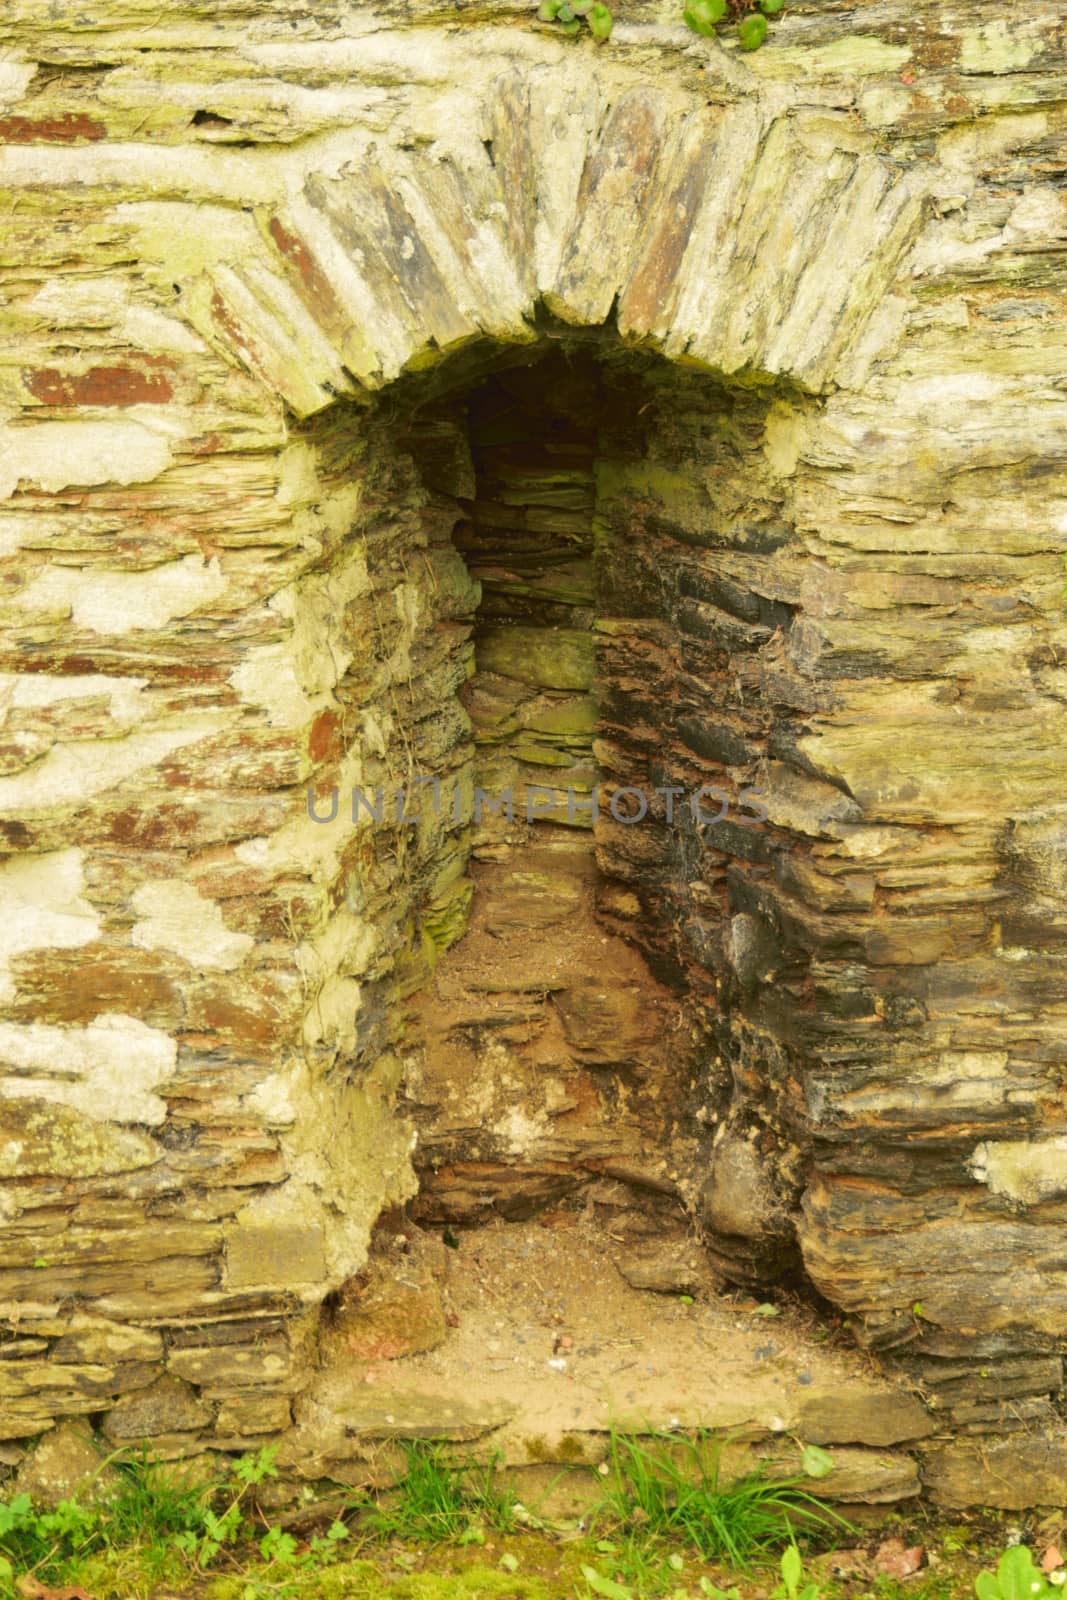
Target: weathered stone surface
x=167 y=1406
x=930 y=1244
x=286 y=1252
x=559 y=660
x=738 y=1198
x=341 y=1435
x=819 y=556
x=67 y=1465
x=96 y=1339
x=740 y=1207
x=668 y=1268
x=394 y=1308
x=70 y=1388
x=41 y=1140
x=532 y=901
x=267 y=1364
x=871 y=1477
x=856 y=1415
x=1021 y=1469
x=25 y=1420
x=253 y=1414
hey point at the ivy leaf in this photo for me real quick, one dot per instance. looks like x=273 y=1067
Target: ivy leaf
x=702 y=15
x=771 y=7
x=752 y=31
x=601 y=22
x=548 y=10
x=816 y=1463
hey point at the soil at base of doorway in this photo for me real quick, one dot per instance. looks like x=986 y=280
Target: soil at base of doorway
x=528 y=1341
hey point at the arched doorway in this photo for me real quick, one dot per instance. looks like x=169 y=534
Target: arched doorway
x=598 y=794
x=252 y=585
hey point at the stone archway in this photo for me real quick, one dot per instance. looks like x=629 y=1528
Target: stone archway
x=205 y=973
x=753 y=248
x=750 y=244
x=576 y=1028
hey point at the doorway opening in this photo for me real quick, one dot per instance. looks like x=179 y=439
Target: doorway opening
x=596 y=1014
x=552 y=1064
x=574 y=1044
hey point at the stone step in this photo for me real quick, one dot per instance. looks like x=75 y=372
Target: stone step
x=543 y=1348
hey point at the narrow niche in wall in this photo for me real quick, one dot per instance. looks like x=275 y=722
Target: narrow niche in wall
x=545 y=1044
x=574 y=1045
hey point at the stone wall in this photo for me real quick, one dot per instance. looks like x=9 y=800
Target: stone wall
x=255 y=261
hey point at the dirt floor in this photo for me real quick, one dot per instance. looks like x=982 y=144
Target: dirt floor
x=547 y=1326
x=527 y=1341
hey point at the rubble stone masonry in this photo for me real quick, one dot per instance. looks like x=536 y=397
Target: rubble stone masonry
x=783 y=340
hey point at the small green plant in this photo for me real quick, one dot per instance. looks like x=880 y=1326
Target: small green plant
x=151 y=1510
x=792 y=1570
x=289 y=1565
x=1017 y=1578
x=815 y=1462
x=568 y=15
x=667 y=1486
x=596 y=1583
x=41 y=1540
x=439 y=1498
x=704 y=16
x=202 y=1543
x=634 y=1561
x=154 y=1503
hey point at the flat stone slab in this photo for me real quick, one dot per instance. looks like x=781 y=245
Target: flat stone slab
x=551 y=1347
x=1010 y=1473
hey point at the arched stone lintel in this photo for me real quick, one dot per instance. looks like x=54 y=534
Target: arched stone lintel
x=758 y=246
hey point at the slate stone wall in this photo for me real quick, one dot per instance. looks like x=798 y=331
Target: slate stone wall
x=243 y=245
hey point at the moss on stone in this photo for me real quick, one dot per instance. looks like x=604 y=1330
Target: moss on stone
x=446 y=919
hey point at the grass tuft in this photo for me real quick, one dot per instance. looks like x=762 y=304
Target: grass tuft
x=665 y=1500
x=669 y=1487
x=154 y=1502
x=440 y=1498
x=151 y=1512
